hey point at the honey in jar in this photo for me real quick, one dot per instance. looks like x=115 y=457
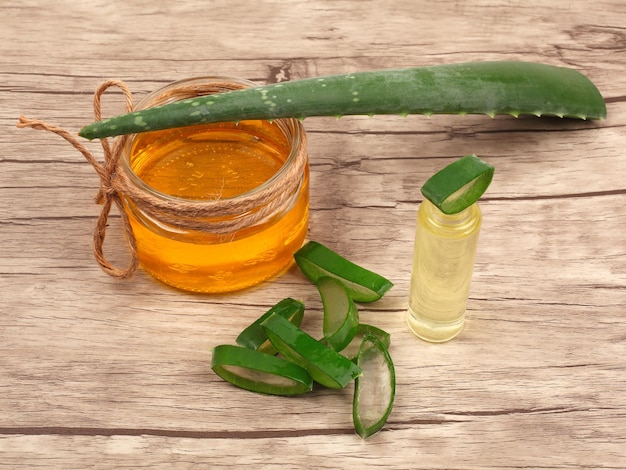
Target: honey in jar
x=254 y=172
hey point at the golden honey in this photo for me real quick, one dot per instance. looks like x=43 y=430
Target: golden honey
x=218 y=162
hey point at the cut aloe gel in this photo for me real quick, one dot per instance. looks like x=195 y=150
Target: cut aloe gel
x=259 y=372
x=375 y=389
x=341 y=317
x=315 y=260
x=254 y=337
x=458 y=185
x=326 y=366
x=363 y=330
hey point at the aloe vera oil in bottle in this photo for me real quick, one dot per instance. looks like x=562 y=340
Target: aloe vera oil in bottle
x=443 y=264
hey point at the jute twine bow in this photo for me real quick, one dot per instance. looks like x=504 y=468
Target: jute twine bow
x=107 y=194
x=216 y=216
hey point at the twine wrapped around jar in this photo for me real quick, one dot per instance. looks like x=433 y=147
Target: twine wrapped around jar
x=221 y=216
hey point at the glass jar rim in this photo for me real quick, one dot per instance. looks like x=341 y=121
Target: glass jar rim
x=290 y=127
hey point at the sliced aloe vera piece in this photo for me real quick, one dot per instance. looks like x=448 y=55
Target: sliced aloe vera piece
x=458 y=185
x=341 y=317
x=324 y=364
x=316 y=260
x=258 y=372
x=254 y=337
x=375 y=389
x=352 y=349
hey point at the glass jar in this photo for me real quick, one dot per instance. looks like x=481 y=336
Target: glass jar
x=443 y=264
x=216 y=207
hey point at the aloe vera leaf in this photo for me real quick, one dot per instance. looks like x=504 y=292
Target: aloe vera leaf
x=490 y=88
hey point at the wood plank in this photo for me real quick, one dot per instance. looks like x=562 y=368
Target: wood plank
x=98 y=373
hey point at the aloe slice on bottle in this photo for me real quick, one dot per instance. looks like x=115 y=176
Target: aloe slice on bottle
x=341 y=317
x=458 y=185
x=258 y=372
x=254 y=337
x=352 y=349
x=324 y=364
x=316 y=260
x=375 y=389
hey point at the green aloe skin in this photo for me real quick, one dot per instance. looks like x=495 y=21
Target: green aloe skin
x=490 y=88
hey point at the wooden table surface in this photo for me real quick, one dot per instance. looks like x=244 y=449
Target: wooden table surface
x=101 y=373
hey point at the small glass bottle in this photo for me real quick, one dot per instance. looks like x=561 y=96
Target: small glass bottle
x=443 y=263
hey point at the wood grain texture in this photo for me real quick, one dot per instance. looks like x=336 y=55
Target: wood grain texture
x=97 y=373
